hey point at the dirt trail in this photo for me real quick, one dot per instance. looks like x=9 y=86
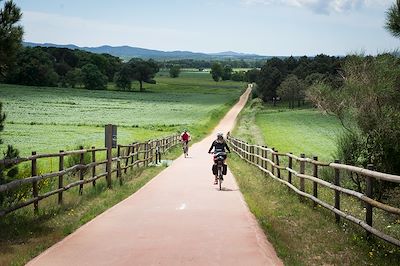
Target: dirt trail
x=178 y=218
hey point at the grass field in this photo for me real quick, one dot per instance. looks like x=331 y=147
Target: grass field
x=303 y=234
x=50 y=119
x=300 y=131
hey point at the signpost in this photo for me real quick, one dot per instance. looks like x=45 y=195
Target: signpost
x=110 y=143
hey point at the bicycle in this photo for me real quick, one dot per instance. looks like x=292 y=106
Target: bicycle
x=185 y=148
x=219 y=159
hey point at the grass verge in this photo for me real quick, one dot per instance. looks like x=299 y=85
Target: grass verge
x=301 y=233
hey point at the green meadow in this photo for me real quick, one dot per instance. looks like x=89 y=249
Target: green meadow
x=300 y=131
x=50 y=119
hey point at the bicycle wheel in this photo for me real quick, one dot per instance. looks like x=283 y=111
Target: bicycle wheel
x=220 y=178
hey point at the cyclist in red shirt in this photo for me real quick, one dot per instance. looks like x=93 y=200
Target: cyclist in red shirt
x=185 y=138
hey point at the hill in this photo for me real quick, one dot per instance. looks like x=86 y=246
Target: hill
x=127 y=52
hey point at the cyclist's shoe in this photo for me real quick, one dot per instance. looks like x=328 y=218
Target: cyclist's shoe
x=216 y=182
x=222 y=178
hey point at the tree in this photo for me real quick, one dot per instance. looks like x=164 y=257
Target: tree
x=269 y=79
x=92 y=78
x=238 y=76
x=123 y=78
x=393 y=19
x=174 y=71
x=227 y=72
x=10 y=36
x=292 y=89
x=143 y=71
x=368 y=106
x=216 y=71
x=34 y=68
x=7 y=171
x=74 y=77
x=252 y=75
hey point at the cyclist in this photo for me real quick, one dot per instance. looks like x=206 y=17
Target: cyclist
x=219 y=145
x=185 y=138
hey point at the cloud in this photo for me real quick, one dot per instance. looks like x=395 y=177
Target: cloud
x=322 y=6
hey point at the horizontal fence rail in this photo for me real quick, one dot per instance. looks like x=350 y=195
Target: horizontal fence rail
x=270 y=162
x=127 y=156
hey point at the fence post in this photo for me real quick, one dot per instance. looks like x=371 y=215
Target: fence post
x=368 y=193
x=273 y=162
x=265 y=156
x=258 y=154
x=302 y=171
x=290 y=166
x=35 y=191
x=94 y=166
x=128 y=153
x=146 y=154
x=135 y=148
x=159 y=152
x=157 y=147
x=337 y=193
x=247 y=151
x=81 y=172
x=277 y=163
x=119 y=172
x=315 y=184
x=109 y=155
x=61 y=177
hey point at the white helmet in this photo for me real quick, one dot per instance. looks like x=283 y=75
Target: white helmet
x=220 y=135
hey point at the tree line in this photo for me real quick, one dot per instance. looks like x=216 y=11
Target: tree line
x=50 y=66
x=287 y=79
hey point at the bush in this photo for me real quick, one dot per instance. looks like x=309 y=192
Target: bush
x=75 y=159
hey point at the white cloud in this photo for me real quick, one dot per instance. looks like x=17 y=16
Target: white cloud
x=323 y=6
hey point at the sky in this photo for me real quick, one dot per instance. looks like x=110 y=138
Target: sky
x=265 y=27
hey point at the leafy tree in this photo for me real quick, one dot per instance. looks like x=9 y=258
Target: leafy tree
x=143 y=71
x=92 y=78
x=238 y=76
x=368 y=106
x=216 y=71
x=269 y=79
x=7 y=171
x=227 y=72
x=174 y=71
x=34 y=68
x=252 y=75
x=123 y=78
x=292 y=89
x=10 y=36
x=74 y=77
x=393 y=19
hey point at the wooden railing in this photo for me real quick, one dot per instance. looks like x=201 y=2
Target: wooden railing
x=128 y=156
x=270 y=161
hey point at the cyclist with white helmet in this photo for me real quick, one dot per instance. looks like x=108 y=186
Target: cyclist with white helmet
x=219 y=145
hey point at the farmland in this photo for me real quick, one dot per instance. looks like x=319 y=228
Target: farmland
x=300 y=131
x=50 y=119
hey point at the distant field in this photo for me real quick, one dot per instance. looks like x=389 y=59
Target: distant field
x=49 y=119
x=300 y=131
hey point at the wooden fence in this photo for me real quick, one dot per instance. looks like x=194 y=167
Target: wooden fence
x=127 y=156
x=270 y=161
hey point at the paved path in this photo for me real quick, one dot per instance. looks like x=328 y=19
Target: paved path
x=178 y=218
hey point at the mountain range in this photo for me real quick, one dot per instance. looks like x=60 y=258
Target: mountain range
x=127 y=52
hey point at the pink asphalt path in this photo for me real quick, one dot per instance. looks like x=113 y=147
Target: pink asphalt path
x=178 y=218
